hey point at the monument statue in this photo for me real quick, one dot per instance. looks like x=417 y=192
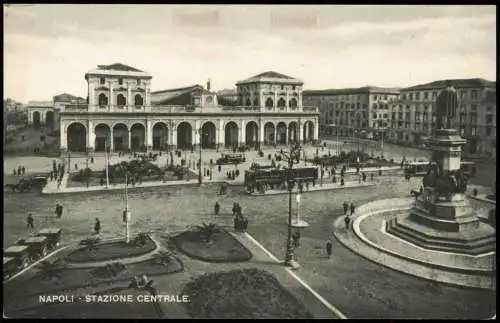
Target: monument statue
x=446 y=106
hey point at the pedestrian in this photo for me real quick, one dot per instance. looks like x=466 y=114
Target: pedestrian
x=371 y=177
x=216 y=208
x=342 y=183
x=19 y=170
x=76 y=166
x=24 y=170
x=364 y=177
x=346 y=208
x=15 y=172
x=296 y=239
x=59 y=215
x=346 y=221
x=97 y=226
x=219 y=168
x=30 y=221
x=421 y=189
x=91 y=160
x=352 y=208
x=380 y=172
x=329 y=248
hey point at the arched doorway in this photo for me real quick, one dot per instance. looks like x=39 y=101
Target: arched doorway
x=231 y=134
x=138 y=137
x=281 y=133
x=251 y=131
x=293 y=135
x=36 y=119
x=208 y=135
x=269 y=133
x=76 y=136
x=102 y=136
x=120 y=137
x=49 y=120
x=160 y=136
x=308 y=133
x=184 y=136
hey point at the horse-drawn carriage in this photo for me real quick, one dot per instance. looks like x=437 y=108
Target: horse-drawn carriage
x=53 y=236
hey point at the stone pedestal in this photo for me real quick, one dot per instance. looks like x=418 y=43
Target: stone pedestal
x=445 y=224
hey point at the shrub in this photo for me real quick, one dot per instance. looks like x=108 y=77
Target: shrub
x=109 y=271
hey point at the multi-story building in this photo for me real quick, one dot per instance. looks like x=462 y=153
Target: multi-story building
x=413 y=116
x=363 y=112
x=123 y=113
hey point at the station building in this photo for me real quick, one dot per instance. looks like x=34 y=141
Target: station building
x=121 y=112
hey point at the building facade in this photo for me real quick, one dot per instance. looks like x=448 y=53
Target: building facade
x=413 y=116
x=363 y=112
x=123 y=113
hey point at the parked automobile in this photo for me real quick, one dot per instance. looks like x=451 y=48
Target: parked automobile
x=37 y=246
x=231 y=159
x=20 y=255
x=53 y=236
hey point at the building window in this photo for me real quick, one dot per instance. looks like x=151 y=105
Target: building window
x=403 y=96
x=282 y=87
x=293 y=103
x=473 y=107
x=374 y=116
x=120 y=81
x=293 y=87
x=103 y=100
x=426 y=95
x=474 y=94
x=102 y=80
x=138 y=101
x=489 y=118
x=121 y=101
x=375 y=97
x=489 y=131
x=138 y=82
x=269 y=103
x=488 y=109
x=417 y=96
x=374 y=106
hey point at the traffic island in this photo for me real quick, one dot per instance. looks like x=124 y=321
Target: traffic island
x=217 y=246
x=242 y=294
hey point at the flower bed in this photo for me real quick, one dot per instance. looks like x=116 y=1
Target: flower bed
x=240 y=294
x=111 y=250
x=222 y=248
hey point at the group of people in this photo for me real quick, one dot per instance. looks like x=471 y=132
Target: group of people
x=57 y=173
x=20 y=170
x=347 y=219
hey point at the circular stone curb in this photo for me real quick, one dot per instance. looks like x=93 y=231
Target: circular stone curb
x=352 y=241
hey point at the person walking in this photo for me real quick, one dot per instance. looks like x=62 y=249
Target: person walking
x=296 y=239
x=371 y=177
x=352 y=208
x=216 y=208
x=97 y=226
x=347 y=221
x=346 y=208
x=24 y=170
x=329 y=248
x=30 y=221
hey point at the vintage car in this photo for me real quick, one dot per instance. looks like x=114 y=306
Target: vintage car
x=38 y=181
x=53 y=236
x=19 y=253
x=37 y=246
x=231 y=159
x=10 y=267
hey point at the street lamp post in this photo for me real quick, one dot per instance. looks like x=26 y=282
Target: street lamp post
x=200 y=178
x=126 y=212
x=291 y=157
x=86 y=169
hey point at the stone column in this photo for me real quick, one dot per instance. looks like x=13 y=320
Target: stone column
x=111 y=97
x=147 y=96
x=306 y=132
x=63 y=138
x=149 y=135
x=316 y=131
x=90 y=136
x=299 y=100
x=196 y=134
x=275 y=134
x=261 y=100
x=300 y=133
x=286 y=134
x=287 y=105
x=173 y=138
x=242 y=136
x=222 y=135
x=130 y=102
x=111 y=139
x=275 y=99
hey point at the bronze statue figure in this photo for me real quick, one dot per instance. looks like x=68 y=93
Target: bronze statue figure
x=446 y=106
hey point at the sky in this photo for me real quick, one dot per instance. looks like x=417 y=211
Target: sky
x=49 y=48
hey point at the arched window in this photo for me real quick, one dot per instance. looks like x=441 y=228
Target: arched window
x=248 y=103
x=293 y=103
x=103 y=100
x=281 y=103
x=256 y=102
x=269 y=103
x=121 y=101
x=138 y=101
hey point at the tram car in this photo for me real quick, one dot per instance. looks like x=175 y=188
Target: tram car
x=278 y=176
x=37 y=246
x=228 y=159
x=53 y=236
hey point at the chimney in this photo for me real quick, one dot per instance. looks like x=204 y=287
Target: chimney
x=208 y=85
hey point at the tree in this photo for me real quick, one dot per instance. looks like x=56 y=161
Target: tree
x=207 y=231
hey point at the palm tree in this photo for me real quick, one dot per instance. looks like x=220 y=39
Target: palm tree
x=207 y=231
x=50 y=271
